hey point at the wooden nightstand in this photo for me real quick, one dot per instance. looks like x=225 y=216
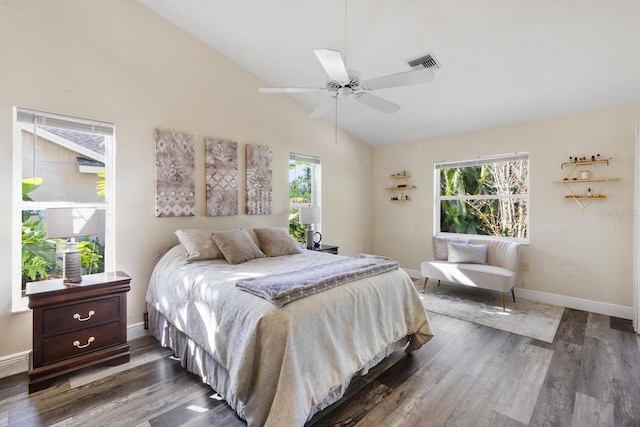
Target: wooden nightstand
x=326 y=248
x=75 y=326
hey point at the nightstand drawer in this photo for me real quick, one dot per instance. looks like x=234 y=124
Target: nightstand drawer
x=81 y=315
x=80 y=342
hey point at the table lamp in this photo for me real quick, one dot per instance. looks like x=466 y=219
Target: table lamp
x=309 y=216
x=70 y=223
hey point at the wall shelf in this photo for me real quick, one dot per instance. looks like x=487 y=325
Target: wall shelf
x=582 y=192
x=399 y=185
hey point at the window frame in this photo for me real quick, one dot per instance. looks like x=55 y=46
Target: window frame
x=316 y=188
x=315 y=179
x=19 y=303
x=501 y=158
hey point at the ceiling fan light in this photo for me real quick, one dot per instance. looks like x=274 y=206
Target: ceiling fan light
x=345 y=91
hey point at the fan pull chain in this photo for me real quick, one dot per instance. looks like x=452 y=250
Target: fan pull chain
x=336 y=130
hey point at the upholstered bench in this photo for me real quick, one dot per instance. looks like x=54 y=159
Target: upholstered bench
x=482 y=263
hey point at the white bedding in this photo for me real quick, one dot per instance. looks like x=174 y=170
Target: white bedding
x=282 y=363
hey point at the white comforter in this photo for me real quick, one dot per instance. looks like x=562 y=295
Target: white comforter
x=283 y=362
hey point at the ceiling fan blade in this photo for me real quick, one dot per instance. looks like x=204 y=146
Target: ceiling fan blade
x=322 y=109
x=406 y=78
x=331 y=61
x=377 y=103
x=292 y=89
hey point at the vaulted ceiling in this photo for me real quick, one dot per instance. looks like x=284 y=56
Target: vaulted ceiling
x=502 y=61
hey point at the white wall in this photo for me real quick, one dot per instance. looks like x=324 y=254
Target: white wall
x=116 y=61
x=596 y=242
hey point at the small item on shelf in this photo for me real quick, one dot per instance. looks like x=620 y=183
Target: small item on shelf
x=598 y=157
x=584 y=175
x=589 y=192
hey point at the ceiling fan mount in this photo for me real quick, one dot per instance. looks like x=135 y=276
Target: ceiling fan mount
x=345 y=83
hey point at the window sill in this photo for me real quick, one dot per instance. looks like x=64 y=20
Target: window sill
x=20 y=306
x=484 y=237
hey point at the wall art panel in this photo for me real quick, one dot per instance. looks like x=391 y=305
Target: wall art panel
x=222 y=177
x=175 y=174
x=259 y=178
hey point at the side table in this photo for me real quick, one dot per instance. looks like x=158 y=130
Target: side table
x=75 y=326
x=326 y=248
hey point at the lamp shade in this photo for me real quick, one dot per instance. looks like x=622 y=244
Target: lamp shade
x=71 y=222
x=309 y=215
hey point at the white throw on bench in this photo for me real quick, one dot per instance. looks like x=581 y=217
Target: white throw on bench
x=462 y=262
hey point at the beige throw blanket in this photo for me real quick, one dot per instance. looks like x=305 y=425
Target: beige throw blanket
x=281 y=289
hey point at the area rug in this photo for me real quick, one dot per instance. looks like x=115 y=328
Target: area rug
x=524 y=317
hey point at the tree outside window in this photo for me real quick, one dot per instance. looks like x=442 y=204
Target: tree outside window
x=487 y=196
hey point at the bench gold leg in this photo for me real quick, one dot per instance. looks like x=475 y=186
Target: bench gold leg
x=502 y=301
x=438 y=283
x=513 y=294
x=424 y=288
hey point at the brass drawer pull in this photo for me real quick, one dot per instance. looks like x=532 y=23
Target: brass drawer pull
x=77 y=343
x=84 y=319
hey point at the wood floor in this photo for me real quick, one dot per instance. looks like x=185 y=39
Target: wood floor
x=468 y=375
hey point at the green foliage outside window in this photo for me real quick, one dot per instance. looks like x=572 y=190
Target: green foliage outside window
x=39 y=261
x=299 y=192
x=488 y=199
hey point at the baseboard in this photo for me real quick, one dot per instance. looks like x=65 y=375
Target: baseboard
x=19 y=362
x=613 y=310
x=14 y=364
x=607 y=309
x=136 y=330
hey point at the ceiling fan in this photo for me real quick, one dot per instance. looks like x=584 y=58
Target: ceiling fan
x=345 y=83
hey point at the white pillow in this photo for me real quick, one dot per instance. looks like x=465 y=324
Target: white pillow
x=440 y=252
x=466 y=253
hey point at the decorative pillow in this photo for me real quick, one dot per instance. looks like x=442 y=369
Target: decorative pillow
x=237 y=246
x=276 y=241
x=466 y=253
x=440 y=252
x=198 y=244
x=253 y=235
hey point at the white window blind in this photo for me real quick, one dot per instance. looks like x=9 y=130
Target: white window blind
x=41 y=118
x=304 y=158
x=483 y=161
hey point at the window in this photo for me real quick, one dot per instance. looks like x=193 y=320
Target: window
x=58 y=162
x=304 y=191
x=486 y=196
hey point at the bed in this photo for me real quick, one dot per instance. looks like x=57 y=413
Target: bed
x=277 y=365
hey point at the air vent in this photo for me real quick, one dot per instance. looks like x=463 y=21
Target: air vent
x=427 y=61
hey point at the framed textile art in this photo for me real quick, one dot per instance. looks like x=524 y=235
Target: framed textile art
x=175 y=169
x=222 y=177
x=259 y=180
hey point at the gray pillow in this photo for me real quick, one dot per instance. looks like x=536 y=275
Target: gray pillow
x=276 y=241
x=440 y=251
x=237 y=246
x=198 y=244
x=466 y=253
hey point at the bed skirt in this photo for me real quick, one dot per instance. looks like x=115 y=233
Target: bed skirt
x=195 y=360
